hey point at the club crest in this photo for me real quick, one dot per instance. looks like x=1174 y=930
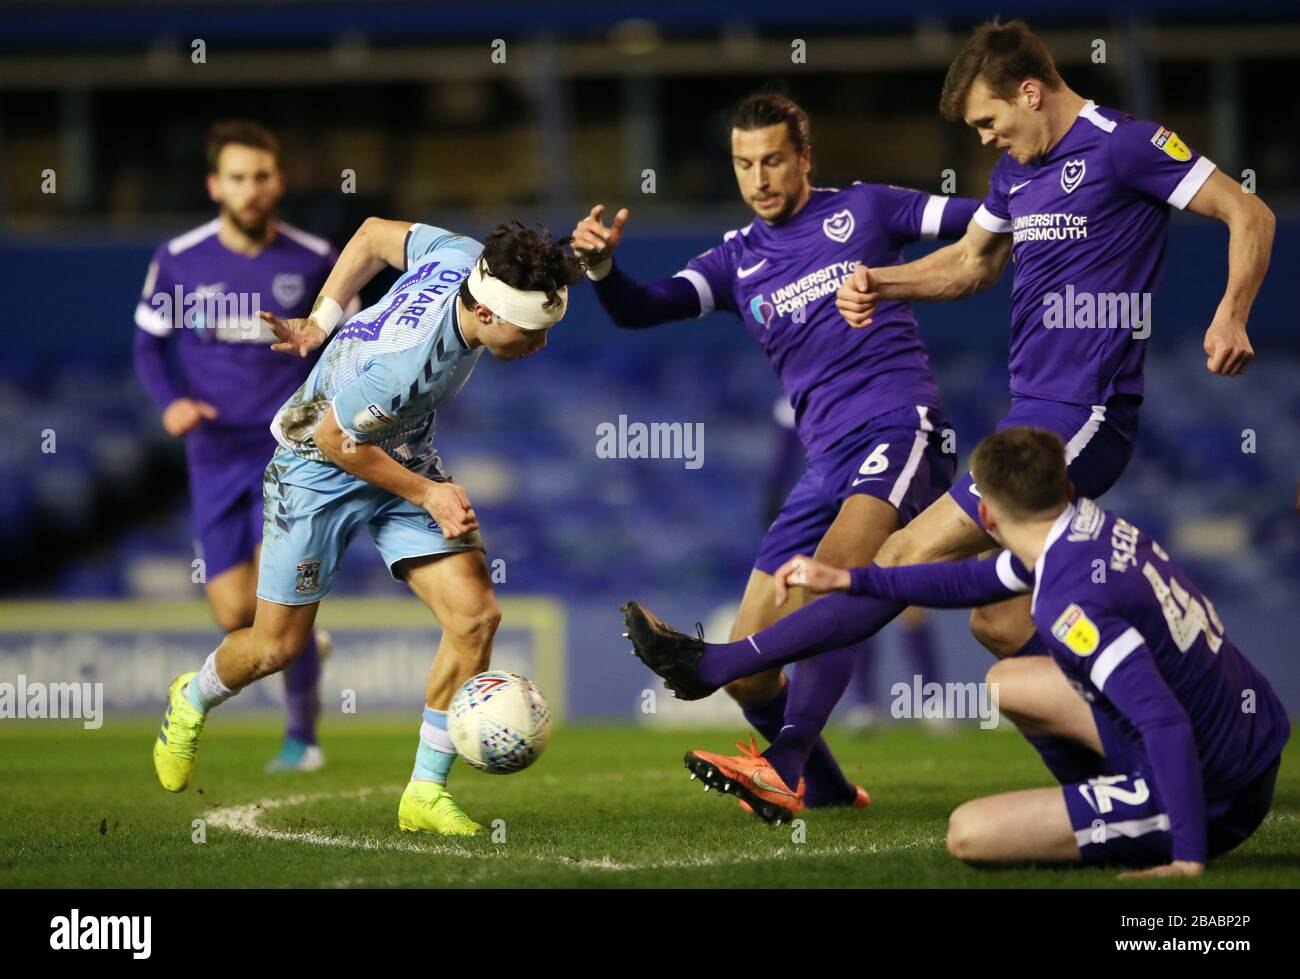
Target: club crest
x=839 y=226
x=288 y=288
x=1072 y=174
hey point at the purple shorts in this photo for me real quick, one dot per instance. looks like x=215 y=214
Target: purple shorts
x=897 y=457
x=226 y=468
x=1098 y=443
x=1120 y=819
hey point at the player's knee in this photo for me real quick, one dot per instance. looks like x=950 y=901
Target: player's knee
x=755 y=691
x=1000 y=634
x=965 y=834
x=899 y=548
x=476 y=629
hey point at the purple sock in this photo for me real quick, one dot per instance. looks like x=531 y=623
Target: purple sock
x=828 y=624
x=301 y=696
x=814 y=690
x=917 y=641
x=1068 y=760
x=825 y=781
x=864 y=674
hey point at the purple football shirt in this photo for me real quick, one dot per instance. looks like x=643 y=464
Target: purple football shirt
x=1136 y=637
x=205 y=296
x=781 y=281
x=1088 y=222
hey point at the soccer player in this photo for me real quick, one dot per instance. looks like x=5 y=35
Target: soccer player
x=1179 y=738
x=356 y=450
x=865 y=403
x=1081 y=200
x=224 y=384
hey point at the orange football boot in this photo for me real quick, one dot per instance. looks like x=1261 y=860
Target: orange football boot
x=751 y=777
x=860 y=800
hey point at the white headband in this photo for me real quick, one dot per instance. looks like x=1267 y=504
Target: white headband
x=522 y=307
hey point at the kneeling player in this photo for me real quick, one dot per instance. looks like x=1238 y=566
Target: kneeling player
x=356 y=450
x=1177 y=739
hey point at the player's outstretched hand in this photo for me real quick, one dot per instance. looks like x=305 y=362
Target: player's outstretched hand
x=811 y=575
x=1179 y=868
x=450 y=509
x=184 y=414
x=592 y=241
x=857 y=298
x=1227 y=348
x=300 y=336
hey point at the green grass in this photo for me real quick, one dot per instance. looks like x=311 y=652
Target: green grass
x=604 y=807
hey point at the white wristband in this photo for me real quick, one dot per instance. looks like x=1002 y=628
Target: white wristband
x=327 y=314
x=597 y=272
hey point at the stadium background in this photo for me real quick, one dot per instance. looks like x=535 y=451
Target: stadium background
x=96 y=574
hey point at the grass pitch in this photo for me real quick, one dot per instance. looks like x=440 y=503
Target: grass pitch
x=604 y=807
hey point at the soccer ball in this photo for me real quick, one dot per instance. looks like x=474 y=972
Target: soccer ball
x=499 y=722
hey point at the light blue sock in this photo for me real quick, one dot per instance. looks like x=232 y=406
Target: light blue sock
x=434 y=756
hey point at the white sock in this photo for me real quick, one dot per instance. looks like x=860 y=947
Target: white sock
x=206 y=689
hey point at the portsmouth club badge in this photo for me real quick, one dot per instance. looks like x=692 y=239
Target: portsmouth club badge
x=288 y=289
x=839 y=226
x=1072 y=174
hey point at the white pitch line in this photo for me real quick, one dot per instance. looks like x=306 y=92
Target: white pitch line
x=243 y=819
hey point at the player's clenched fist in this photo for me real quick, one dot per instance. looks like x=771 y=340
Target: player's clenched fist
x=810 y=574
x=593 y=242
x=857 y=298
x=1227 y=348
x=450 y=509
x=297 y=336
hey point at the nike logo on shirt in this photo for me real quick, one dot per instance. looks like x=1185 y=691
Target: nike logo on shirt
x=1016 y=187
x=746 y=273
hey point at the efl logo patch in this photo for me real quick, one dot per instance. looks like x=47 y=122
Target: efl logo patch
x=308 y=579
x=1173 y=147
x=839 y=226
x=369 y=418
x=1072 y=174
x=1076 y=631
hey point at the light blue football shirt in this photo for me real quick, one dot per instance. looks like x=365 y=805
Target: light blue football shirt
x=388 y=369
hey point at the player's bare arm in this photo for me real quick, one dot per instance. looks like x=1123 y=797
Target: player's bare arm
x=593 y=241
x=1250 y=242
x=444 y=501
x=377 y=243
x=971 y=264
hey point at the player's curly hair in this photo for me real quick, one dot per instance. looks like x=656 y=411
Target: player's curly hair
x=528 y=259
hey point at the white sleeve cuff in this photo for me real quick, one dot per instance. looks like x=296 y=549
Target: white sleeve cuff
x=932 y=216
x=1114 y=654
x=1007 y=575
x=702 y=288
x=597 y=272
x=1190 y=184
x=151 y=320
x=990 y=222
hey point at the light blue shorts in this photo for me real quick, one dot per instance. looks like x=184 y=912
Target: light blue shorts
x=314 y=509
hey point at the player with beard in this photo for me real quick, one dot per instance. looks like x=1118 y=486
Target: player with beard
x=206 y=361
x=866 y=405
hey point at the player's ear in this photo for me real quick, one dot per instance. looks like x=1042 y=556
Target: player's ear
x=213 y=192
x=482 y=313
x=986 y=517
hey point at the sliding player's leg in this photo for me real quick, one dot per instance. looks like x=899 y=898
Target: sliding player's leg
x=1014 y=827
x=764 y=697
x=862 y=525
x=694 y=669
x=458 y=590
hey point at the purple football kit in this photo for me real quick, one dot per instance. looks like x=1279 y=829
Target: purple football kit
x=204 y=296
x=865 y=402
x=1088 y=223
